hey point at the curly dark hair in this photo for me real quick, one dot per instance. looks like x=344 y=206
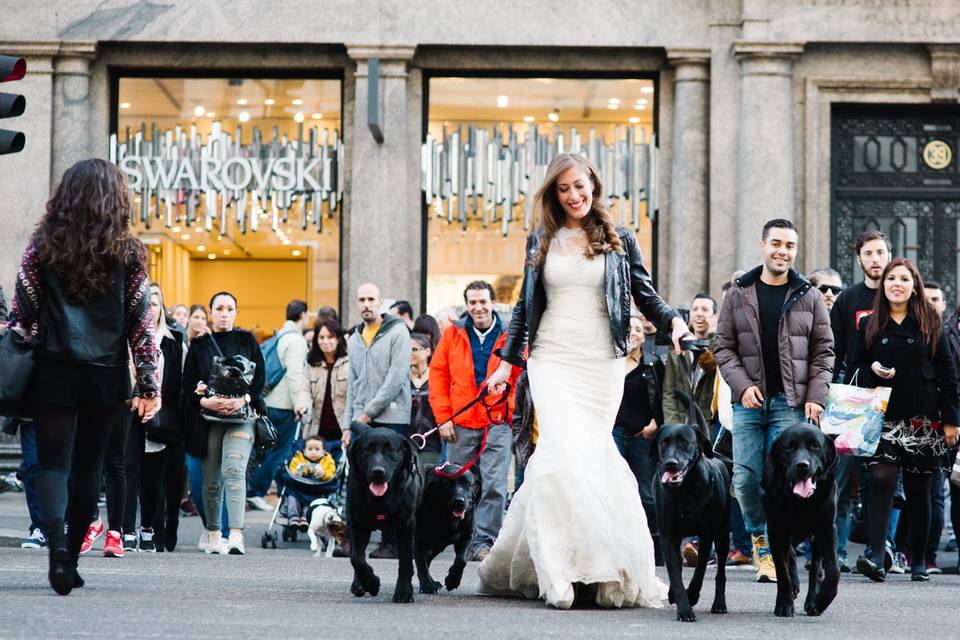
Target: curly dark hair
x=84 y=237
x=597 y=225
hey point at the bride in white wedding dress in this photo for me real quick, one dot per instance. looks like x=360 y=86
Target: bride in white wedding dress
x=576 y=526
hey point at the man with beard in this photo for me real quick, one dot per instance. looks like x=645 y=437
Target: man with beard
x=873 y=254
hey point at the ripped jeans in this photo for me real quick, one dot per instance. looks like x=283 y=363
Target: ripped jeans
x=225 y=472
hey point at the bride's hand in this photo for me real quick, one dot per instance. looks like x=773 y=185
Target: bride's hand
x=680 y=331
x=498 y=379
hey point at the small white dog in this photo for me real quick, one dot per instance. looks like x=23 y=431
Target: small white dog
x=326 y=523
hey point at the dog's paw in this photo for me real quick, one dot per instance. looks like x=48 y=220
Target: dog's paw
x=784 y=610
x=812 y=610
x=357 y=589
x=686 y=615
x=370 y=584
x=693 y=596
x=403 y=593
x=452 y=581
x=795 y=589
x=430 y=586
x=719 y=607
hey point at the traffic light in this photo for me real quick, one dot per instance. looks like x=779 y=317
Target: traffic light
x=11 y=104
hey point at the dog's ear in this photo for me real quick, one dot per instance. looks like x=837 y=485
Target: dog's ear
x=359 y=428
x=829 y=454
x=768 y=477
x=706 y=446
x=410 y=457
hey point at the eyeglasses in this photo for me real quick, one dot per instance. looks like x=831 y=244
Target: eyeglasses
x=831 y=288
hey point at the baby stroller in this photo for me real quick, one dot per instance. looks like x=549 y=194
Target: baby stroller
x=327 y=494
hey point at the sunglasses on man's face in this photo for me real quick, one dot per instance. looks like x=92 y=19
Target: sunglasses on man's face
x=831 y=288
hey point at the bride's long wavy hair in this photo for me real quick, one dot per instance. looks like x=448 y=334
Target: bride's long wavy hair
x=597 y=224
x=84 y=236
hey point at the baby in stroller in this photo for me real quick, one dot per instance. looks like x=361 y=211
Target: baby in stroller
x=307 y=477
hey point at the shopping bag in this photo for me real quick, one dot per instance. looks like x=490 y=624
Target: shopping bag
x=855 y=416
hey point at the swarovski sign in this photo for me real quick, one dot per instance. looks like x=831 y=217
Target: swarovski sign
x=179 y=176
x=232 y=174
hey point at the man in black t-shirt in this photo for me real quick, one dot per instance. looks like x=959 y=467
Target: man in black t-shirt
x=873 y=254
x=774 y=348
x=855 y=302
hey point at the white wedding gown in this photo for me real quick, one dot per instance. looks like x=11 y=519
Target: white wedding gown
x=577 y=517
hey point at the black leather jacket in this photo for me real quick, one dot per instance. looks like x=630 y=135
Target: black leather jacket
x=625 y=274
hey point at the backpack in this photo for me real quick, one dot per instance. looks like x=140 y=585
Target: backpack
x=273 y=368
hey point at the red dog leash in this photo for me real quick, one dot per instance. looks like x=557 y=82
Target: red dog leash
x=481 y=399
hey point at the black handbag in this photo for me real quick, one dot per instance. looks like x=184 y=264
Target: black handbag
x=245 y=377
x=264 y=433
x=16 y=367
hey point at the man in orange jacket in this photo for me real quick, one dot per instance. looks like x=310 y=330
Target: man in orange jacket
x=464 y=358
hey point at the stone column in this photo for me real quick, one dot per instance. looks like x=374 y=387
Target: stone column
x=25 y=179
x=766 y=156
x=382 y=224
x=689 y=174
x=71 y=106
x=945 y=71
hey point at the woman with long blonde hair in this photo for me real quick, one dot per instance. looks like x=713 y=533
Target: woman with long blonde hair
x=576 y=529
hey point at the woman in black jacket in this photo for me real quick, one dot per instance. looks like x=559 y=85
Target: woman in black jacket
x=639 y=417
x=220 y=428
x=161 y=446
x=901 y=345
x=82 y=299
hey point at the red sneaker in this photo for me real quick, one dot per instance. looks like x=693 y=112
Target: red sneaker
x=93 y=532
x=113 y=545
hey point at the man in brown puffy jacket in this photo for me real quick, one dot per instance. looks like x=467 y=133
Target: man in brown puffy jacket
x=775 y=349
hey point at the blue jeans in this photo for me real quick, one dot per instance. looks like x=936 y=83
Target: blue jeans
x=285 y=420
x=195 y=476
x=635 y=449
x=28 y=471
x=754 y=431
x=845 y=472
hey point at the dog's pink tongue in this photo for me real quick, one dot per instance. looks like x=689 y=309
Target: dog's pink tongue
x=668 y=476
x=378 y=488
x=805 y=488
x=459 y=514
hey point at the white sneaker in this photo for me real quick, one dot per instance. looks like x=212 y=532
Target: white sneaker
x=215 y=542
x=204 y=539
x=899 y=563
x=235 y=543
x=259 y=503
x=36 y=540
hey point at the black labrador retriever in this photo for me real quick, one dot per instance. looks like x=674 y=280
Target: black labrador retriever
x=445 y=517
x=800 y=500
x=693 y=499
x=383 y=491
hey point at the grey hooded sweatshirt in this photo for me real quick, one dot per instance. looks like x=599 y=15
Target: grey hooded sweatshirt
x=379 y=377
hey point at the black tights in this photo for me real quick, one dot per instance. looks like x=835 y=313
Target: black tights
x=916 y=487
x=70 y=448
x=115 y=467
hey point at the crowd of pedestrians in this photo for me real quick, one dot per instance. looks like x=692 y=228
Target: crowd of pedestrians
x=149 y=414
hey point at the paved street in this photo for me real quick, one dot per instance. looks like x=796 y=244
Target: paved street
x=269 y=593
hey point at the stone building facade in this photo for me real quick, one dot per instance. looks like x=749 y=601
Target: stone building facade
x=749 y=96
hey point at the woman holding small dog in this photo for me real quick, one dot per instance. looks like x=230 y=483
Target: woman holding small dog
x=576 y=529
x=901 y=345
x=221 y=427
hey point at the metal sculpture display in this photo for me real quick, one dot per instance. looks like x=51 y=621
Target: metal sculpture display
x=181 y=177
x=491 y=174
